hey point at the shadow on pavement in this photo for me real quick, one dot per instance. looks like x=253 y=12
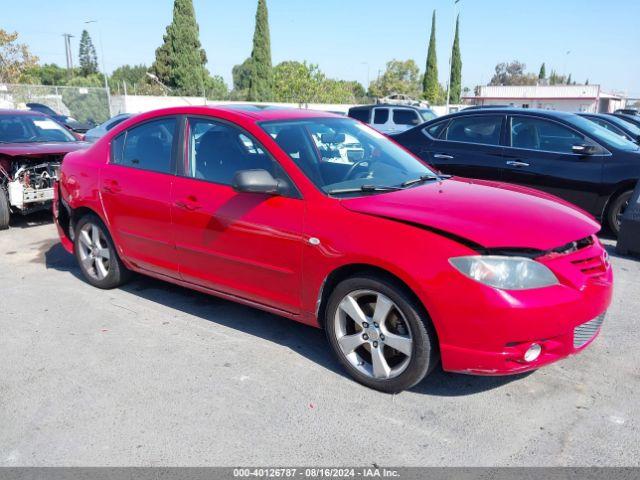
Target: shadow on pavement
x=305 y=340
x=35 y=219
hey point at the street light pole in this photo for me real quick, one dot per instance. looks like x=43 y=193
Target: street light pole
x=453 y=39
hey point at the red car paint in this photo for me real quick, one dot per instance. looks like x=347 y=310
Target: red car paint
x=255 y=248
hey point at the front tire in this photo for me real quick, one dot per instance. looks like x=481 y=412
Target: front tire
x=616 y=211
x=96 y=254
x=5 y=210
x=380 y=334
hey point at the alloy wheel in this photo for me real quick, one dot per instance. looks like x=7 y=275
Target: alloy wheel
x=373 y=334
x=94 y=251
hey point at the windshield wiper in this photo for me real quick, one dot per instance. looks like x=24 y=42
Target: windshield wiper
x=364 y=188
x=423 y=178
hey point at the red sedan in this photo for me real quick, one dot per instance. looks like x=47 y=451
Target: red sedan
x=323 y=220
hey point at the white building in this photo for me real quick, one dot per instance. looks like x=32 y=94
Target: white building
x=568 y=98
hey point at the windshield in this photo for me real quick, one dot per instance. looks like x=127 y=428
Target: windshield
x=427 y=114
x=343 y=154
x=32 y=128
x=603 y=135
x=630 y=127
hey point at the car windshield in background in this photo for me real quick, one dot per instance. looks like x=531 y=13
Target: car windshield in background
x=427 y=114
x=602 y=134
x=32 y=129
x=343 y=156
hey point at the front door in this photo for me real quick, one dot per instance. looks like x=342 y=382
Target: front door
x=540 y=155
x=244 y=244
x=469 y=146
x=135 y=187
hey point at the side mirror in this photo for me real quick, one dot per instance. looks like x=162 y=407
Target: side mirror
x=584 y=149
x=257 y=181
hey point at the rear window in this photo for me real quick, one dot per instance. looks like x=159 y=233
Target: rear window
x=361 y=115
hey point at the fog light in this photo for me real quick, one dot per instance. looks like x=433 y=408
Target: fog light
x=532 y=352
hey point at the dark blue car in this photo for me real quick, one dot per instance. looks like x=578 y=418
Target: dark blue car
x=560 y=153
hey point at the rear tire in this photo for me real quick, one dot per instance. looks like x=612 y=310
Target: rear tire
x=5 y=210
x=616 y=210
x=379 y=333
x=96 y=254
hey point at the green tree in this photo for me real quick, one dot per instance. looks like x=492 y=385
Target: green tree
x=47 y=74
x=261 y=79
x=87 y=55
x=543 y=72
x=399 y=77
x=455 y=81
x=513 y=73
x=241 y=80
x=180 y=60
x=15 y=58
x=215 y=88
x=430 y=85
x=300 y=82
x=569 y=80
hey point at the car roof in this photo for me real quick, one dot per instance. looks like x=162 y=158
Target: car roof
x=257 y=114
x=8 y=111
x=507 y=110
x=388 y=105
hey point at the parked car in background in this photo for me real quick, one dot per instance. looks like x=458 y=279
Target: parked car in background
x=95 y=133
x=628 y=111
x=31 y=149
x=618 y=125
x=560 y=153
x=69 y=122
x=248 y=206
x=634 y=119
x=390 y=119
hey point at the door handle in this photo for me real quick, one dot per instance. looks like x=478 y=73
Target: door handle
x=443 y=156
x=187 y=206
x=514 y=163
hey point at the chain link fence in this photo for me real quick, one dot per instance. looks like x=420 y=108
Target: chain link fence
x=88 y=105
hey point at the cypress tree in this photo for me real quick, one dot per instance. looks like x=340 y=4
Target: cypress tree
x=430 y=85
x=261 y=79
x=87 y=55
x=180 y=60
x=543 y=72
x=455 y=82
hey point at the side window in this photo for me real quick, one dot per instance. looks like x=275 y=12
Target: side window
x=608 y=126
x=361 y=115
x=147 y=147
x=380 y=116
x=436 y=129
x=539 y=134
x=480 y=129
x=218 y=150
x=405 y=117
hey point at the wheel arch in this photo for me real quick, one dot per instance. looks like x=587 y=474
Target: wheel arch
x=621 y=187
x=349 y=270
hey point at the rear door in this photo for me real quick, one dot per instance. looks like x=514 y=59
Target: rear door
x=468 y=146
x=135 y=187
x=540 y=155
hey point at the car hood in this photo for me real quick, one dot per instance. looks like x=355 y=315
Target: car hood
x=487 y=214
x=40 y=149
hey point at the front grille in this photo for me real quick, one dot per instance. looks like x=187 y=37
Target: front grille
x=585 y=332
x=592 y=266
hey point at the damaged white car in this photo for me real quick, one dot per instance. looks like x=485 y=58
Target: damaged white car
x=32 y=147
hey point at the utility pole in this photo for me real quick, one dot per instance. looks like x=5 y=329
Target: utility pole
x=67 y=48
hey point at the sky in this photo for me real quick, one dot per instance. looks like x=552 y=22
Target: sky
x=597 y=40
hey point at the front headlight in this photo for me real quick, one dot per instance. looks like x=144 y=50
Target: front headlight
x=506 y=273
